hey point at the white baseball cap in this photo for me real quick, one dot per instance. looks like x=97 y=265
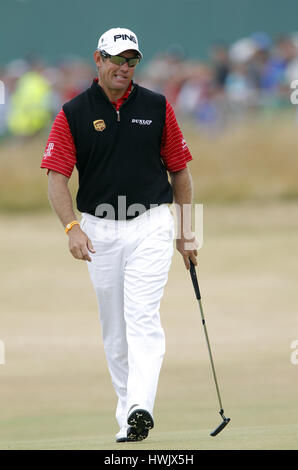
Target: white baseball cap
x=117 y=40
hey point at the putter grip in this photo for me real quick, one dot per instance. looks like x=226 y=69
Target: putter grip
x=194 y=280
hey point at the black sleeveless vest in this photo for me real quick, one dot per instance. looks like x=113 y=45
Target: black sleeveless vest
x=118 y=153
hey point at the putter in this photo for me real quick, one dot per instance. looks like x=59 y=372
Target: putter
x=194 y=279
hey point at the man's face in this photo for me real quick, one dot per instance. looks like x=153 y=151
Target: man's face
x=114 y=77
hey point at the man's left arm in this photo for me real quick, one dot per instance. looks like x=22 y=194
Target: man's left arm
x=186 y=243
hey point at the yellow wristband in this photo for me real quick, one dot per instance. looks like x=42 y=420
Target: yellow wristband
x=70 y=225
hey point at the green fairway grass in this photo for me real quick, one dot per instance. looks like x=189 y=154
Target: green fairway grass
x=55 y=390
x=244 y=438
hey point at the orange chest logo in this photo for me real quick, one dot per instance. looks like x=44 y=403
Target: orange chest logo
x=99 y=125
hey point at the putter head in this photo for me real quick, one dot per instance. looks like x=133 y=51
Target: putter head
x=222 y=425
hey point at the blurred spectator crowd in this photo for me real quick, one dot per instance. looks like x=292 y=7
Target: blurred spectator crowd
x=252 y=75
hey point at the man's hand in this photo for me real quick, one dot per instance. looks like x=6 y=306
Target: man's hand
x=79 y=244
x=187 y=246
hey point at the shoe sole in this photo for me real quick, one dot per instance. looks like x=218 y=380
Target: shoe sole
x=140 y=422
x=123 y=439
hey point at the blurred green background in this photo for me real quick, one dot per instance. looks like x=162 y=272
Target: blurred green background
x=58 y=28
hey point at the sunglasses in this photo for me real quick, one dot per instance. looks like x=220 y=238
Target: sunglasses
x=119 y=60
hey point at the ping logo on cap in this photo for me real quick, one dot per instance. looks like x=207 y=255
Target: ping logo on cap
x=125 y=37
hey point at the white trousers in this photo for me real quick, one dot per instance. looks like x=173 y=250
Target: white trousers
x=129 y=272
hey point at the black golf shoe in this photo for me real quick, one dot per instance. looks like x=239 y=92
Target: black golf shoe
x=140 y=422
x=121 y=436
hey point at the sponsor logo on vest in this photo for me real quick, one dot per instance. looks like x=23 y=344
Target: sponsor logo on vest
x=142 y=122
x=125 y=37
x=99 y=125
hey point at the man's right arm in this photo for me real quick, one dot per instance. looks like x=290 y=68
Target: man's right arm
x=59 y=159
x=61 y=201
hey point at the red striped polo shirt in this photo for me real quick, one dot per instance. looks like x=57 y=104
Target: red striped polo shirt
x=60 y=152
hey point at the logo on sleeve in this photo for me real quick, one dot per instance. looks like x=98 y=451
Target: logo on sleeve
x=48 y=152
x=99 y=125
x=142 y=122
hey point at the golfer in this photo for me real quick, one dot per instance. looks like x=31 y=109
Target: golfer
x=124 y=141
